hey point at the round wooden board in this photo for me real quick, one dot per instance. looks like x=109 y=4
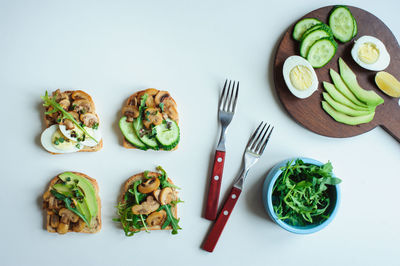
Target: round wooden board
x=308 y=112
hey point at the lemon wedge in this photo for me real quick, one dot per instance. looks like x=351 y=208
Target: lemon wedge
x=388 y=84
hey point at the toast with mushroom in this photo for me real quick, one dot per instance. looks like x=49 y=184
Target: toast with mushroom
x=71 y=123
x=72 y=204
x=148 y=201
x=150 y=121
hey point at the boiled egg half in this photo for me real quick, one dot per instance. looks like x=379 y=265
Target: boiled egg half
x=76 y=134
x=299 y=76
x=370 y=53
x=54 y=141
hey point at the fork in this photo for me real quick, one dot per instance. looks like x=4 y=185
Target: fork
x=227 y=107
x=255 y=148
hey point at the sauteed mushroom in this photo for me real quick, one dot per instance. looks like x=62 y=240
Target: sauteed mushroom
x=161 y=95
x=156 y=218
x=78 y=226
x=166 y=196
x=130 y=111
x=149 y=185
x=83 y=106
x=68 y=123
x=54 y=220
x=152 y=116
x=147 y=207
x=149 y=100
x=67 y=216
x=170 y=108
x=60 y=96
x=77 y=95
x=156 y=194
x=89 y=119
x=65 y=103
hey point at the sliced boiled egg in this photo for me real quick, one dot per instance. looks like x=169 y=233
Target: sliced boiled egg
x=54 y=141
x=370 y=53
x=79 y=136
x=299 y=76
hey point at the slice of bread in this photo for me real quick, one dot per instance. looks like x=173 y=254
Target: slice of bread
x=171 y=111
x=70 y=96
x=128 y=184
x=96 y=223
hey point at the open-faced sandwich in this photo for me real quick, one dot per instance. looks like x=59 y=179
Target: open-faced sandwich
x=72 y=204
x=148 y=202
x=150 y=121
x=71 y=122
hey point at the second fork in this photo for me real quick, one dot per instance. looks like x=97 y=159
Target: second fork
x=227 y=106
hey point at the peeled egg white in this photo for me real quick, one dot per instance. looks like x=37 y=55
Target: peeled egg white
x=47 y=140
x=383 y=58
x=290 y=63
x=95 y=133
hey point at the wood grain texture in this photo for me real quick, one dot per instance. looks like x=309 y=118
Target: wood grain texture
x=308 y=112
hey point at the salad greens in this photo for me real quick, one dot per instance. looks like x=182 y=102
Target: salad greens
x=300 y=195
x=68 y=204
x=50 y=101
x=133 y=223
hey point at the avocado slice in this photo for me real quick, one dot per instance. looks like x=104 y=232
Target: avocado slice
x=343 y=108
x=88 y=206
x=63 y=189
x=341 y=86
x=338 y=97
x=350 y=79
x=345 y=119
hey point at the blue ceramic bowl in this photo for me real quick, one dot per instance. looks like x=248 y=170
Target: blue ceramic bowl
x=269 y=182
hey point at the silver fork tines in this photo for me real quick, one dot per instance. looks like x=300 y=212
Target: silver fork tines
x=254 y=149
x=227 y=107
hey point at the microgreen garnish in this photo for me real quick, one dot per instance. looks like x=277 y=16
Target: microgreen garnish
x=95 y=126
x=50 y=101
x=301 y=193
x=161 y=107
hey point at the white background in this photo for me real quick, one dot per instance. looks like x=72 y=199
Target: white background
x=113 y=48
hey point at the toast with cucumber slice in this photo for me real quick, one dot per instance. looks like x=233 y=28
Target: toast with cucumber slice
x=150 y=121
x=72 y=204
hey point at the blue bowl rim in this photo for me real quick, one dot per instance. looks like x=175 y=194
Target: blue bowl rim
x=271 y=178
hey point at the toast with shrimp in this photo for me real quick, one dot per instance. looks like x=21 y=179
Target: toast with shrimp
x=71 y=123
x=150 y=121
x=72 y=204
x=148 y=201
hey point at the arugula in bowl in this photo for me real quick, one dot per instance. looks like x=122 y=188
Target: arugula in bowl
x=302 y=195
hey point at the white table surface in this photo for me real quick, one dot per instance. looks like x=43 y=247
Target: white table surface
x=113 y=48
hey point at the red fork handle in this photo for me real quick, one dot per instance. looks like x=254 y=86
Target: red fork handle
x=215 y=186
x=216 y=231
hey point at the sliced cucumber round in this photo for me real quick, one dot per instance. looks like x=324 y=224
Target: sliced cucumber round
x=302 y=26
x=321 y=52
x=320 y=26
x=150 y=142
x=130 y=134
x=168 y=134
x=342 y=23
x=309 y=40
x=355 y=30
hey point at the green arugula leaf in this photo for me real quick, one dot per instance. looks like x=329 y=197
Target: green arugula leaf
x=171 y=220
x=164 y=179
x=49 y=101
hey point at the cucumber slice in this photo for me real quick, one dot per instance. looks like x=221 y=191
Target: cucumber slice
x=309 y=40
x=321 y=52
x=150 y=142
x=320 y=26
x=355 y=30
x=130 y=134
x=302 y=26
x=345 y=119
x=341 y=22
x=371 y=98
x=168 y=134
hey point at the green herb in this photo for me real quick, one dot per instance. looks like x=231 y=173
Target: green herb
x=67 y=202
x=95 y=126
x=78 y=145
x=164 y=179
x=161 y=107
x=49 y=101
x=136 y=194
x=171 y=220
x=146 y=174
x=56 y=141
x=300 y=194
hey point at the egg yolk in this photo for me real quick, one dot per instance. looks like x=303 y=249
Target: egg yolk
x=368 y=53
x=300 y=77
x=60 y=142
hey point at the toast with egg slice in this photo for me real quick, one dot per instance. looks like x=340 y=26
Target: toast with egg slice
x=157 y=206
x=150 y=121
x=76 y=191
x=71 y=123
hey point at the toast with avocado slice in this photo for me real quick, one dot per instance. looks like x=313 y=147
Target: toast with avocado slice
x=150 y=121
x=148 y=201
x=71 y=123
x=72 y=204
